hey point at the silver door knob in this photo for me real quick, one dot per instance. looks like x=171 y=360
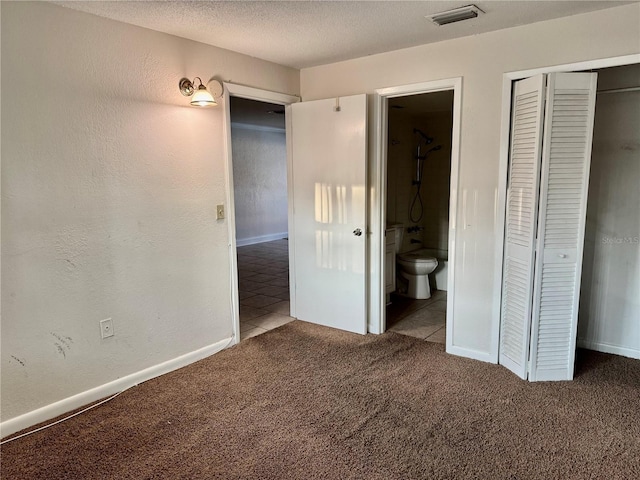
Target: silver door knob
x=357 y=232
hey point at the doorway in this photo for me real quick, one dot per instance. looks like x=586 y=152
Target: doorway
x=259 y=150
x=384 y=99
x=417 y=211
x=327 y=248
x=260 y=120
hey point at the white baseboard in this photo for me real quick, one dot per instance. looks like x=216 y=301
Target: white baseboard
x=607 y=348
x=68 y=404
x=473 y=354
x=242 y=242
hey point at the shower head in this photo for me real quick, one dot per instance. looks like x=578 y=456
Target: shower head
x=426 y=137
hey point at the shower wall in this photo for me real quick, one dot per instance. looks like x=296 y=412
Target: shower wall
x=401 y=171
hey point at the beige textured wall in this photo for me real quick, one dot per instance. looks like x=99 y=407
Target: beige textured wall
x=260 y=183
x=481 y=60
x=109 y=187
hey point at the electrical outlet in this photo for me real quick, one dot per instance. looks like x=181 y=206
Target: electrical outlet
x=106 y=328
x=220 y=212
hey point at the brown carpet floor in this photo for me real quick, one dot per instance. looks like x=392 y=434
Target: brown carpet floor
x=307 y=402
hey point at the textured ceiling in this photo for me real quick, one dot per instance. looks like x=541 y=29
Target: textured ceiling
x=307 y=33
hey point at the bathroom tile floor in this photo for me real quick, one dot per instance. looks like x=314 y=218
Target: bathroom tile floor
x=263 y=284
x=424 y=319
x=263 y=287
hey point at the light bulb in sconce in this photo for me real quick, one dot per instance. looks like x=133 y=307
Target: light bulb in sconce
x=200 y=97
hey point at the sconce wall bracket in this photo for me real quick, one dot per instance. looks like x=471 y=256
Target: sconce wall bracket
x=186 y=87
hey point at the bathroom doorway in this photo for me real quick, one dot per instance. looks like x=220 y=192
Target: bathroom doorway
x=417 y=209
x=382 y=268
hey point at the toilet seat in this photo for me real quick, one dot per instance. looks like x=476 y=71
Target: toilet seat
x=414 y=257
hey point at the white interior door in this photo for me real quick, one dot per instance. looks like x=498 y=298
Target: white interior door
x=328 y=145
x=566 y=159
x=520 y=225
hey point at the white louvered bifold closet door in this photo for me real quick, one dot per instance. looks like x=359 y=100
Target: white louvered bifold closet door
x=521 y=216
x=566 y=158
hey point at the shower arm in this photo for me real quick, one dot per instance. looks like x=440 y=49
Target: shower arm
x=426 y=137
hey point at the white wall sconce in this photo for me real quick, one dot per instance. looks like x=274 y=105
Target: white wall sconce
x=200 y=96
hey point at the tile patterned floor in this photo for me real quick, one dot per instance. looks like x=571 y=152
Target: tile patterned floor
x=424 y=319
x=263 y=284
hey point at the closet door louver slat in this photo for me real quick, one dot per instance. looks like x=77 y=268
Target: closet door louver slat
x=566 y=159
x=522 y=211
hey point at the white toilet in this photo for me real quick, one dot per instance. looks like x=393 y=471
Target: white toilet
x=415 y=268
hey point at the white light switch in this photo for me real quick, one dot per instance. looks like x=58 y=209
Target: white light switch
x=219 y=212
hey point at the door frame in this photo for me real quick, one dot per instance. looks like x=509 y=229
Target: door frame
x=251 y=93
x=378 y=194
x=505 y=125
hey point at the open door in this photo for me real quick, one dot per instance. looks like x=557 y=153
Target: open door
x=566 y=159
x=547 y=205
x=328 y=147
x=520 y=225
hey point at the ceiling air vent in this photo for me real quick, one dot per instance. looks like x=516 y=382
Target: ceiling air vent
x=455 y=15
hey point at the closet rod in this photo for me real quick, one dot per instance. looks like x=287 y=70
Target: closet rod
x=616 y=90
